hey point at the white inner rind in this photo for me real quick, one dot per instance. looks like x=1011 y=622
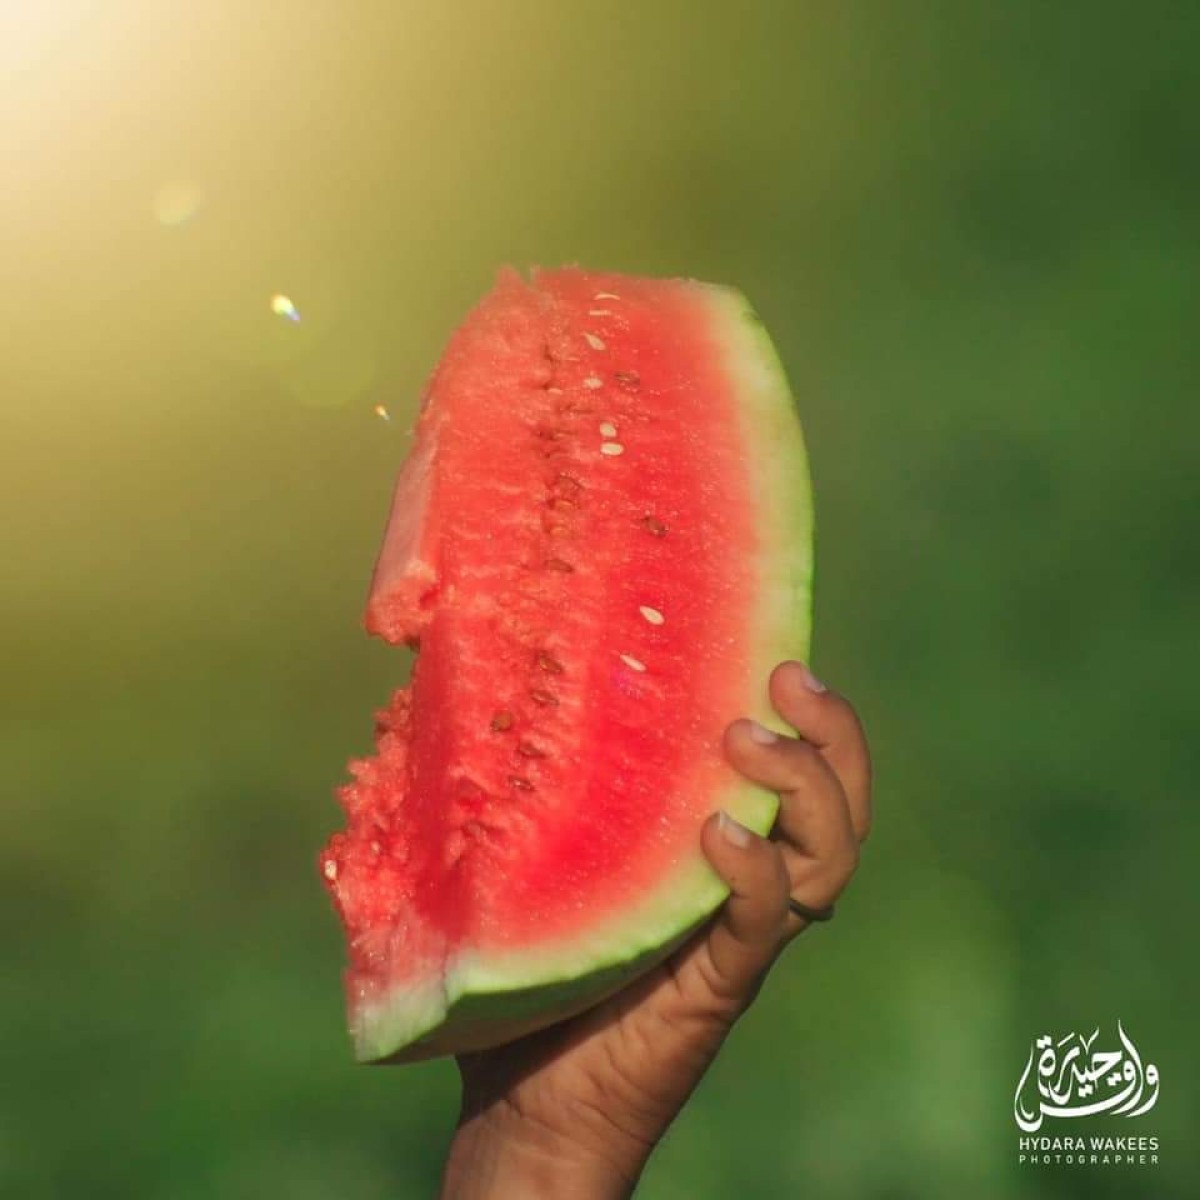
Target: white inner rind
x=780 y=622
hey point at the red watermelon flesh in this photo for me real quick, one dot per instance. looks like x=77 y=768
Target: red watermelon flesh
x=600 y=543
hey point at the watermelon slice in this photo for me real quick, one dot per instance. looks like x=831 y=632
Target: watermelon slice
x=601 y=544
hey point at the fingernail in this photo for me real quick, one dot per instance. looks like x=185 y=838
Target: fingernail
x=733 y=831
x=811 y=681
x=761 y=734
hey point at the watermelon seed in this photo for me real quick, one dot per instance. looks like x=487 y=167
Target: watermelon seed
x=628 y=379
x=651 y=614
x=654 y=525
x=599 y=312
x=606 y=296
x=559 y=530
x=633 y=663
x=593 y=341
x=612 y=449
x=549 y=663
x=545 y=699
x=376 y=849
x=557 y=564
x=554 y=391
x=569 y=481
x=562 y=504
x=501 y=721
x=330 y=869
x=608 y=429
x=529 y=750
x=593 y=382
x=521 y=784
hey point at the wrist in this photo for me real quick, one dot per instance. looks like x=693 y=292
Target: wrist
x=497 y=1154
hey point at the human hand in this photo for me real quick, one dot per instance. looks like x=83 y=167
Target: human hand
x=575 y=1110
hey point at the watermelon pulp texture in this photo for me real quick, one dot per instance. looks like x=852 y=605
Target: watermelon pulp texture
x=601 y=544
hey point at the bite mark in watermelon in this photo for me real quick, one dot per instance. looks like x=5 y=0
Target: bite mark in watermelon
x=601 y=544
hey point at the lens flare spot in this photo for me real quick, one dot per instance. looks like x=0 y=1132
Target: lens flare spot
x=282 y=306
x=382 y=413
x=176 y=203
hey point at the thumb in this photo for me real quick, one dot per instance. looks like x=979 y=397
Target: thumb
x=751 y=927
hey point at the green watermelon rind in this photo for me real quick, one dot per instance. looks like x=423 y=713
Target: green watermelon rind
x=482 y=1001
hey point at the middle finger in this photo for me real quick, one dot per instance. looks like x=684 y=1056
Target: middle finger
x=814 y=827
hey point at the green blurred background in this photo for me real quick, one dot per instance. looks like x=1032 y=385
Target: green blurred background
x=974 y=232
